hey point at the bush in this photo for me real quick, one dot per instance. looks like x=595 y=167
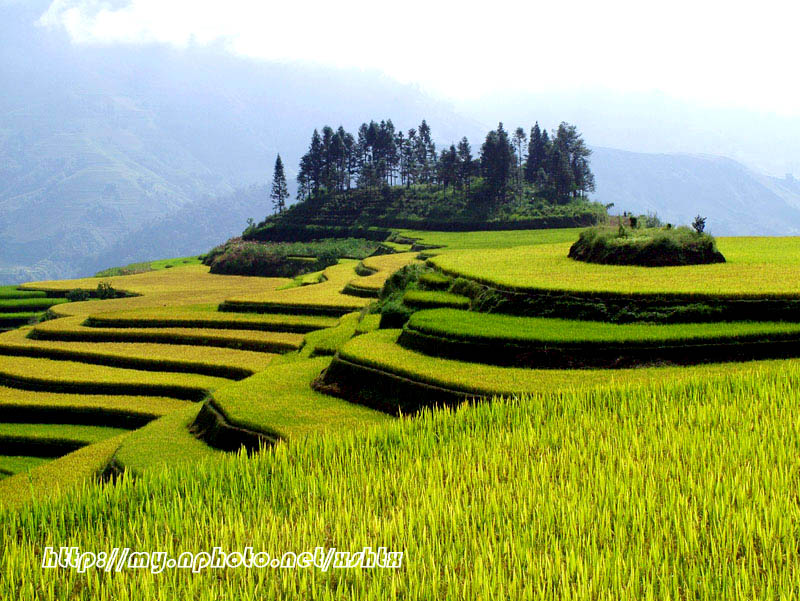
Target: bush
x=654 y=247
x=242 y=257
x=106 y=291
x=77 y=295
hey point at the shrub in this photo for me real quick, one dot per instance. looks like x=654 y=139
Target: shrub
x=77 y=295
x=652 y=247
x=281 y=259
x=699 y=224
x=106 y=291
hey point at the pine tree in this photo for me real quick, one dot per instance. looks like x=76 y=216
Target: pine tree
x=519 y=140
x=465 y=167
x=497 y=161
x=280 y=192
x=537 y=154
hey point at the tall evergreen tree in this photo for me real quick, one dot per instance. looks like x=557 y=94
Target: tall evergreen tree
x=280 y=192
x=497 y=161
x=465 y=163
x=519 y=140
x=537 y=154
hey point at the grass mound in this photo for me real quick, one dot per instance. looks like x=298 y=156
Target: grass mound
x=284 y=259
x=547 y=343
x=651 y=247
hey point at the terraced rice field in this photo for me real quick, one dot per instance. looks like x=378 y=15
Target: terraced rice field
x=753 y=269
x=20 y=307
x=136 y=370
x=659 y=481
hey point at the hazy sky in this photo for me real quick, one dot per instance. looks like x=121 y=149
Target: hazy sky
x=718 y=53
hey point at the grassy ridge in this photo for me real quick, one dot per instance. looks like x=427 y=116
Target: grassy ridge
x=134 y=268
x=51 y=480
x=469 y=325
x=328 y=341
x=68 y=376
x=68 y=432
x=755 y=268
x=165 y=441
x=70 y=329
x=379 y=350
x=676 y=491
x=13 y=401
x=51 y=440
x=16 y=305
x=15 y=464
x=212 y=361
x=423 y=299
x=279 y=401
x=204 y=317
x=13 y=292
x=559 y=343
x=14 y=320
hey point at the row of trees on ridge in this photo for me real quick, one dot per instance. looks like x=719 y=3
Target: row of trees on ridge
x=554 y=167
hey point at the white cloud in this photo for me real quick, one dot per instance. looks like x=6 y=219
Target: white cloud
x=716 y=52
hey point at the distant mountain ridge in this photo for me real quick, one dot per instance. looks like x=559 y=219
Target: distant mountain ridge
x=117 y=154
x=99 y=142
x=736 y=200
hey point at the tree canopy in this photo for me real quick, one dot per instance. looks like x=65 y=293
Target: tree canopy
x=510 y=166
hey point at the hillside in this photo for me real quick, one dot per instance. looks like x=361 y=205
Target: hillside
x=105 y=150
x=98 y=142
x=621 y=420
x=735 y=199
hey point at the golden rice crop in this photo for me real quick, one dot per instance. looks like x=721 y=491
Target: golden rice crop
x=325 y=294
x=179 y=286
x=280 y=401
x=384 y=266
x=164 y=441
x=71 y=328
x=671 y=491
x=147 y=405
x=55 y=477
x=45 y=374
x=206 y=316
x=140 y=355
x=77 y=433
x=379 y=350
x=755 y=267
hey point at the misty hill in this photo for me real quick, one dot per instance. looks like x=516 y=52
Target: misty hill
x=99 y=142
x=116 y=154
x=736 y=200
